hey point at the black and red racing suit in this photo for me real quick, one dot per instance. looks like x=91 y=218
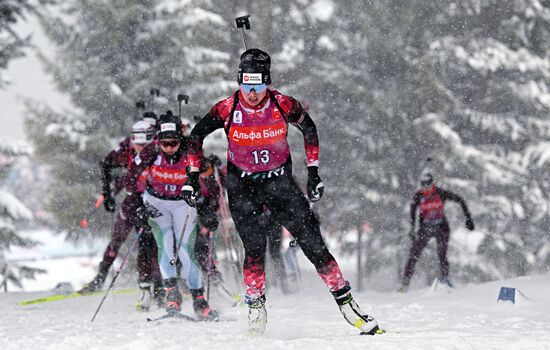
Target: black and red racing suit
x=433 y=223
x=260 y=174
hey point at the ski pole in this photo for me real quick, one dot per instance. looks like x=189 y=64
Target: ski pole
x=293 y=246
x=154 y=94
x=84 y=223
x=209 y=265
x=225 y=230
x=174 y=262
x=298 y=270
x=243 y=23
x=182 y=98
x=132 y=245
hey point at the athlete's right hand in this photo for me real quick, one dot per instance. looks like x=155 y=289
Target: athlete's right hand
x=109 y=202
x=315 y=187
x=211 y=221
x=191 y=189
x=469 y=223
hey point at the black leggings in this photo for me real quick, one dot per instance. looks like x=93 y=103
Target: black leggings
x=289 y=207
x=425 y=233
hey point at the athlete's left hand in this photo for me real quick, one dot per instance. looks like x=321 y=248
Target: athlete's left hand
x=192 y=188
x=109 y=201
x=215 y=160
x=142 y=217
x=315 y=187
x=212 y=223
x=469 y=223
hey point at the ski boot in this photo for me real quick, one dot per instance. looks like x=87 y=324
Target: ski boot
x=159 y=294
x=173 y=297
x=446 y=281
x=145 y=297
x=94 y=285
x=203 y=311
x=353 y=313
x=257 y=315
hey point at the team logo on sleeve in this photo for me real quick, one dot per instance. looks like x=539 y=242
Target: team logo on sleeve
x=237 y=117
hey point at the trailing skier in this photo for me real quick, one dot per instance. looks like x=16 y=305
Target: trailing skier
x=172 y=220
x=432 y=223
x=255 y=119
x=148 y=269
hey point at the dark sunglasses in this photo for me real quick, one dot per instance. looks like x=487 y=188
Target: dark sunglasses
x=256 y=87
x=172 y=143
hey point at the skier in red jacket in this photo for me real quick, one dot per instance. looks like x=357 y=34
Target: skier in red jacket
x=172 y=219
x=433 y=223
x=256 y=119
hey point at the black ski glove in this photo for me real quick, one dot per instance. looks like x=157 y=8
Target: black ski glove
x=315 y=187
x=109 y=201
x=191 y=190
x=211 y=222
x=142 y=217
x=215 y=160
x=469 y=224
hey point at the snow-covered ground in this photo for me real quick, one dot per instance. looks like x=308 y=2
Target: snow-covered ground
x=468 y=317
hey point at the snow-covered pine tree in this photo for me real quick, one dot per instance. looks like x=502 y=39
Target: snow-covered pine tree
x=347 y=62
x=11 y=43
x=495 y=130
x=393 y=82
x=12 y=211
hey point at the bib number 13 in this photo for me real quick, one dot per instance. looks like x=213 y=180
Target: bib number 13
x=261 y=156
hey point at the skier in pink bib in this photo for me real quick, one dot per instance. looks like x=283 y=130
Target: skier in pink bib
x=430 y=200
x=259 y=173
x=172 y=221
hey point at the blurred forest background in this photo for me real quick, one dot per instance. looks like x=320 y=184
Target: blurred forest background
x=388 y=83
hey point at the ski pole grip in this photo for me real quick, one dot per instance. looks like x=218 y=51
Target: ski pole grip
x=243 y=22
